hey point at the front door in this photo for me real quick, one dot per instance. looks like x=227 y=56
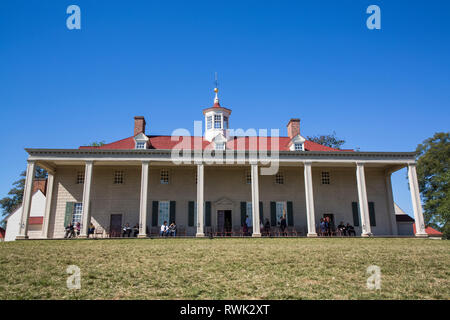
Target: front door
x=220 y=222
x=227 y=222
x=115 y=225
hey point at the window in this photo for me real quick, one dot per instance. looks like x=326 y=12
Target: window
x=208 y=122
x=140 y=145
x=298 y=147
x=80 y=177
x=77 y=213
x=249 y=218
x=118 y=177
x=325 y=177
x=281 y=211
x=164 y=176
x=279 y=178
x=217 y=121
x=225 y=122
x=163 y=212
x=220 y=146
x=248 y=177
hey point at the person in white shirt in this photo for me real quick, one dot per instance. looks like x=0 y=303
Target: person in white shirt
x=164 y=229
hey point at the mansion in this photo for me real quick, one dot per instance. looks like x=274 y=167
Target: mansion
x=139 y=180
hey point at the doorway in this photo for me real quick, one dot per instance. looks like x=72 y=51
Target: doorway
x=115 y=226
x=224 y=222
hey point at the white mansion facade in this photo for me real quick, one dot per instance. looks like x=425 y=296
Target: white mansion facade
x=137 y=181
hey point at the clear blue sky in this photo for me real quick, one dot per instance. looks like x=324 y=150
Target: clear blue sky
x=380 y=90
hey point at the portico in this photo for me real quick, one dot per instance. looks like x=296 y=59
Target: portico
x=300 y=188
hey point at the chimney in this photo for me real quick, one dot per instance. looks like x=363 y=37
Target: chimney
x=139 y=125
x=293 y=128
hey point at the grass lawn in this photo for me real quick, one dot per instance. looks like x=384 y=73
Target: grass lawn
x=226 y=268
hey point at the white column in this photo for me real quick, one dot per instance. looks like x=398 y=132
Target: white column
x=390 y=204
x=415 y=197
x=255 y=202
x=26 y=202
x=200 y=201
x=86 y=199
x=362 y=199
x=143 y=201
x=48 y=203
x=309 y=196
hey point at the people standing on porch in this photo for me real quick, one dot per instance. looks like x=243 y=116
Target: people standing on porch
x=283 y=226
x=341 y=229
x=350 y=229
x=69 y=231
x=173 y=229
x=245 y=228
x=126 y=231
x=164 y=229
x=323 y=227
x=91 y=229
x=77 y=229
x=136 y=230
x=267 y=227
x=327 y=226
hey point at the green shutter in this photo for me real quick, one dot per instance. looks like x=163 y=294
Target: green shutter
x=208 y=214
x=273 y=213
x=261 y=215
x=290 y=214
x=372 y=214
x=243 y=212
x=155 y=207
x=172 y=211
x=355 y=214
x=69 y=213
x=191 y=213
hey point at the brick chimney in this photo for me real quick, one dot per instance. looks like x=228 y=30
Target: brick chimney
x=139 y=125
x=293 y=128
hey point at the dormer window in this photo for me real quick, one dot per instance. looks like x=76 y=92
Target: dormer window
x=298 y=146
x=140 y=145
x=220 y=146
x=217 y=121
x=297 y=143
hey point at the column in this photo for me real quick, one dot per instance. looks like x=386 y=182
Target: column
x=255 y=201
x=390 y=204
x=415 y=197
x=362 y=200
x=86 y=199
x=48 y=203
x=309 y=196
x=143 y=201
x=200 y=201
x=26 y=202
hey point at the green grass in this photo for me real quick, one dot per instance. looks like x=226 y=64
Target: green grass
x=226 y=269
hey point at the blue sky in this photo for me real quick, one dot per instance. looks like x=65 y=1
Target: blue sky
x=380 y=90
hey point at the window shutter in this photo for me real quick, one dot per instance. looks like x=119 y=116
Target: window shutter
x=191 y=213
x=273 y=213
x=69 y=213
x=355 y=214
x=172 y=211
x=208 y=214
x=243 y=212
x=155 y=206
x=372 y=214
x=261 y=215
x=290 y=214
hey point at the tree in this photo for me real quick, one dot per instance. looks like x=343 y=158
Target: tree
x=329 y=140
x=433 y=162
x=15 y=195
x=96 y=143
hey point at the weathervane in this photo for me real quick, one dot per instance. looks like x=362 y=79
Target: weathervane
x=216 y=89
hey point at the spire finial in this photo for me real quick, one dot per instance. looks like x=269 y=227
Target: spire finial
x=216 y=89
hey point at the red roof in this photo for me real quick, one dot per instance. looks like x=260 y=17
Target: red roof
x=187 y=142
x=429 y=230
x=35 y=220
